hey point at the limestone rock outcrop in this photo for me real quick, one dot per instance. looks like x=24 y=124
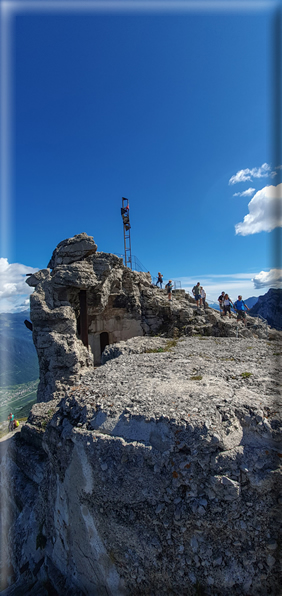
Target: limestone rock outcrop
x=86 y=300
x=269 y=306
x=160 y=473
x=73 y=249
x=157 y=473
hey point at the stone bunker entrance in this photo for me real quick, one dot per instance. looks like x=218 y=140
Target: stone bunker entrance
x=104 y=340
x=98 y=341
x=99 y=326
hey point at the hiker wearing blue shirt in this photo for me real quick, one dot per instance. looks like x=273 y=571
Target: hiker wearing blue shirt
x=196 y=291
x=240 y=307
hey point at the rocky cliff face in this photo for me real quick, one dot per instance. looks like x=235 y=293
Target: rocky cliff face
x=88 y=297
x=158 y=474
x=269 y=307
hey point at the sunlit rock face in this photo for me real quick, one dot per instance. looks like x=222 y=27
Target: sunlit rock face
x=159 y=473
x=86 y=300
x=269 y=307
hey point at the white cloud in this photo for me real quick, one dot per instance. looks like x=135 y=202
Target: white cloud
x=248 y=174
x=272 y=278
x=261 y=172
x=14 y=292
x=246 y=193
x=234 y=284
x=265 y=212
x=241 y=176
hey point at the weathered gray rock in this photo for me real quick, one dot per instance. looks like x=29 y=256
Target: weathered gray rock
x=136 y=345
x=61 y=354
x=72 y=249
x=120 y=304
x=79 y=275
x=38 y=277
x=157 y=473
x=160 y=473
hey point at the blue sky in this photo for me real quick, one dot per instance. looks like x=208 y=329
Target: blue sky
x=172 y=109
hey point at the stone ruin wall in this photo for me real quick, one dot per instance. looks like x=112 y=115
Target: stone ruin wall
x=113 y=309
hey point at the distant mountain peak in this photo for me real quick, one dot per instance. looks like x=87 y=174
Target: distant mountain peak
x=269 y=306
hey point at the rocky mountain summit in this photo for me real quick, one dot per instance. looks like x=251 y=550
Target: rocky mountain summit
x=86 y=299
x=269 y=306
x=158 y=474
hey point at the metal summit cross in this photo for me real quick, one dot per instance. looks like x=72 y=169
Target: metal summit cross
x=126 y=232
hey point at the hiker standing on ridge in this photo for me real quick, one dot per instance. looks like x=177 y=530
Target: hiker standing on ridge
x=169 y=290
x=221 y=302
x=239 y=307
x=11 y=422
x=197 y=293
x=203 y=296
x=160 y=280
x=227 y=305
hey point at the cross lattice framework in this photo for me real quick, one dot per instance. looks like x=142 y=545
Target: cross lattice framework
x=126 y=232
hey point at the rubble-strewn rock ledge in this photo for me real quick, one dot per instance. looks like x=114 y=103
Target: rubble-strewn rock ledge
x=157 y=475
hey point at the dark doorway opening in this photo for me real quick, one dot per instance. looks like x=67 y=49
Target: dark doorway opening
x=104 y=340
x=83 y=324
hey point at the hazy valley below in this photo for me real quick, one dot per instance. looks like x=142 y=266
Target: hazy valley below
x=19 y=370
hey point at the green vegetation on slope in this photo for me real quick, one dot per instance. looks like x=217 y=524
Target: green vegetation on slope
x=18 y=358
x=17 y=399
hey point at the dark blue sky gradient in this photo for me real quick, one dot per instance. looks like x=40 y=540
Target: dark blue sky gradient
x=160 y=109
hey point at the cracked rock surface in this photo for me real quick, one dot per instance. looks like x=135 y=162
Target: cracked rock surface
x=157 y=474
